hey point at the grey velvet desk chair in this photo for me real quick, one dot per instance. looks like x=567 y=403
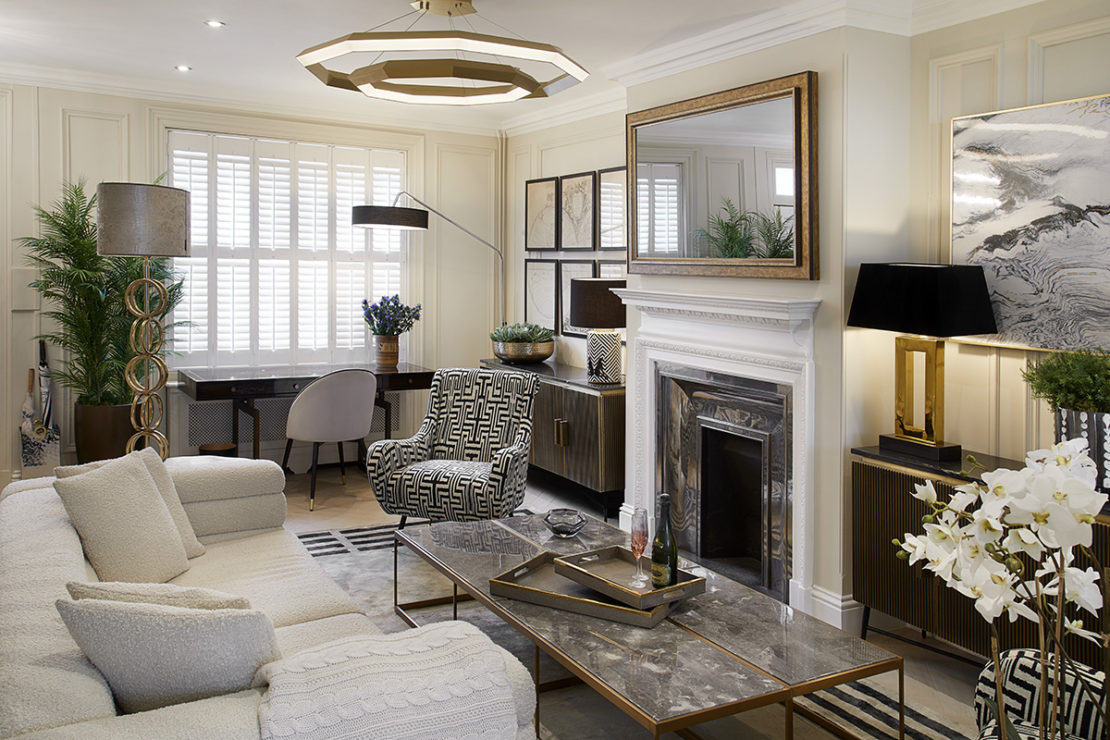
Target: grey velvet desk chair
x=337 y=407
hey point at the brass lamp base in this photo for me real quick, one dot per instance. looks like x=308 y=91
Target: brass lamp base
x=942 y=452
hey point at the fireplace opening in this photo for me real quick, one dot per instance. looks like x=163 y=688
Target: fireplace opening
x=733 y=489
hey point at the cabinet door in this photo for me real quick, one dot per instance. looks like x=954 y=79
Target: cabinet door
x=581 y=438
x=546 y=410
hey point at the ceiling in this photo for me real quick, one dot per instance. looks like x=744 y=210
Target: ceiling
x=132 y=46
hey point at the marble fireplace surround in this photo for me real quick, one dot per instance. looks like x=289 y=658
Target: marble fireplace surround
x=769 y=339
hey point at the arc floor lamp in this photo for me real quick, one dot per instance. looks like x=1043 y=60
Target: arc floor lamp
x=412 y=219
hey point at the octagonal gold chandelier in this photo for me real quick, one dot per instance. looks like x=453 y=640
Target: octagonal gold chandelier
x=451 y=80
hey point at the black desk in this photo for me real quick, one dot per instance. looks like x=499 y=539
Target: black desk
x=242 y=385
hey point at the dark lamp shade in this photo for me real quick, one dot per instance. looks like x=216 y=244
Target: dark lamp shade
x=137 y=220
x=593 y=305
x=389 y=217
x=934 y=300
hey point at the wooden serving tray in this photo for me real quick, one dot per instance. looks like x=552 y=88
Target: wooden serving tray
x=609 y=570
x=536 y=582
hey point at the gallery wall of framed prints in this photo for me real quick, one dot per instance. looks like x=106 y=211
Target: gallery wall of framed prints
x=575 y=226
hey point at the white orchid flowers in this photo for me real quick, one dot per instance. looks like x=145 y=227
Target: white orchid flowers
x=1044 y=511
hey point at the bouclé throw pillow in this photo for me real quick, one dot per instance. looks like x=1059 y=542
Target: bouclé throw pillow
x=163 y=481
x=154 y=655
x=166 y=594
x=125 y=528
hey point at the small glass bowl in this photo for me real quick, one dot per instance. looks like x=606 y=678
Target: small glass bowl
x=564 y=522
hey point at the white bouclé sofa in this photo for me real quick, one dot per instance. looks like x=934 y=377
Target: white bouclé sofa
x=48 y=689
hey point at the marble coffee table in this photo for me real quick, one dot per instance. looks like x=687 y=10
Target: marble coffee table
x=722 y=652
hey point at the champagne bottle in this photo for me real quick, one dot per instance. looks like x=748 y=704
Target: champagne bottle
x=664 y=549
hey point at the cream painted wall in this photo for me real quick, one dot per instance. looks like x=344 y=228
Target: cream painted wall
x=591 y=144
x=49 y=136
x=1038 y=54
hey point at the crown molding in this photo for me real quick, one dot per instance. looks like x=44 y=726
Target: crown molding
x=761 y=31
x=931 y=15
x=89 y=82
x=568 y=111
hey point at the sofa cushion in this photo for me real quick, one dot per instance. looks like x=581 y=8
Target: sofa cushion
x=39 y=662
x=274 y=571
x=204 y=478
x=155 y=655
x=162 y=480
x=166 y=594
x=297 y=637
x=224 y=717
x=125 y=527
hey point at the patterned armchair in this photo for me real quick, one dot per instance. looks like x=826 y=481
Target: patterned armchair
x=1021 y=680
x=469 y=459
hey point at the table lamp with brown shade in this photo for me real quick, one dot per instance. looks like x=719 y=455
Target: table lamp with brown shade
x=137 y=220
x=594 y=306
x=933 y=302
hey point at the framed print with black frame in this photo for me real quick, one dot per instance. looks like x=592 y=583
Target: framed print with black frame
x=577 y=226
x=541 y=293
x=612 y=230
x=541 y=213
x=568 y=270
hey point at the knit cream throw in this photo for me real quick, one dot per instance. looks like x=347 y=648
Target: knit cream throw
x=443 y=680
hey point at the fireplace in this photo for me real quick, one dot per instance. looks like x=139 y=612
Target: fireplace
x=725 y=384
x=725 y=443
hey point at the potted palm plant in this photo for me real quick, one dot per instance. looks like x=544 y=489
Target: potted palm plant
x=1077 y=386
x=90 y=323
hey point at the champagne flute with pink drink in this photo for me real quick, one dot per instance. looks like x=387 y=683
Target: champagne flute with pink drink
x=639 y=544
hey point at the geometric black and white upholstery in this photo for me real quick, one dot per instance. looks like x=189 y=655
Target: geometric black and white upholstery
x=469 y=459
x=1021 y=685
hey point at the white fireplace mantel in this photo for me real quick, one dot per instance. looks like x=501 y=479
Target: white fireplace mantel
x=767 y=339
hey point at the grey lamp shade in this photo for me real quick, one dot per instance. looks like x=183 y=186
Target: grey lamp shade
x=934 y=300
x=390 y=217
x=137 y=220
x=593 y=305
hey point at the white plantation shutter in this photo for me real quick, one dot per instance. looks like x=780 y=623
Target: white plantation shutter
x=611 y=218
x=274 y=301
x=233 y=315
x=659 y=218
x=191 y=337
x=350 y=289
x=276 y=272
x=312 y=305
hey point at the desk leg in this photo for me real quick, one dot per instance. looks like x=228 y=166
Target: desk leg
x=246 y=405
x=387 y=407
x=789 y=719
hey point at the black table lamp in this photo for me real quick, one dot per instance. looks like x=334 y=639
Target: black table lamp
x=594 y=306
x=933 y=302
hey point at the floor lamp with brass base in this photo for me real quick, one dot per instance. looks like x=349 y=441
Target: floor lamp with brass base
x=931 y=302
x=136 y=220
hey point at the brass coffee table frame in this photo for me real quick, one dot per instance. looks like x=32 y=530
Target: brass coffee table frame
x=679 y=724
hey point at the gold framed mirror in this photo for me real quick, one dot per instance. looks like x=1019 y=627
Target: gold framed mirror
x=726 y=184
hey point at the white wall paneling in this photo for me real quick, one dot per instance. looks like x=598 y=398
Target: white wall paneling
x=1061 y=61
x=8 y=404
x=95 y=147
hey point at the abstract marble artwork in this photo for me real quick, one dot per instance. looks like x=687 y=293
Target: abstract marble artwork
x=1031 y=204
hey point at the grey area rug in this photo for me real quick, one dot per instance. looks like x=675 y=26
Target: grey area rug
x=863 y=708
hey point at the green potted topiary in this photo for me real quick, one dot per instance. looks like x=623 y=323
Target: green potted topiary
x=522 y=342
x=85 y=306
x=1077 y=386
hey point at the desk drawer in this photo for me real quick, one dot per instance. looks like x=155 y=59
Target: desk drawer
x=259 y=388
x=406 y=382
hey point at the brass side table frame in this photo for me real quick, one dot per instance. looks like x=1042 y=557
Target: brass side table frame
x=680 y=724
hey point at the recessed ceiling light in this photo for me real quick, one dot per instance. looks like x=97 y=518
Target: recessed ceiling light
x=215 y=23
x=182 y=67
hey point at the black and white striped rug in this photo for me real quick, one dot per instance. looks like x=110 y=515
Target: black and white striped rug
x=359 y=539
x=867 y=711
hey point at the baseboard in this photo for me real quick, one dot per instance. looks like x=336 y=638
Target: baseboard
x=839 y=610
